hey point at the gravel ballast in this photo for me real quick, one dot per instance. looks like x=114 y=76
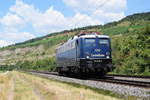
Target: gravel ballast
x=132 y=79
x=117 y=88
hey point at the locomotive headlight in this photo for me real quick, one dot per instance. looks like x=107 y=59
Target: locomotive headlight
x=87 y=57
x=107 y=56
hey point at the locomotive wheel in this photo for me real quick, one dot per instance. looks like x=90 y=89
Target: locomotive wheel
x=59 y=71
x=101 y=74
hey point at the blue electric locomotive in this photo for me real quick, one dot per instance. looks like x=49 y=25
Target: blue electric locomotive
x=85 y=54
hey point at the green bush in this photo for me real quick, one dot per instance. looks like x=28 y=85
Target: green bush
x=131 y=55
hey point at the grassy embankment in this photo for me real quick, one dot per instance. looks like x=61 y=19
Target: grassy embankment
x=21 y=86
x=6 y=86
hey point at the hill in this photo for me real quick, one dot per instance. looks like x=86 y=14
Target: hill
x=130 y=44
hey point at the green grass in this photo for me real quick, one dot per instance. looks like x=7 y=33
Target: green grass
x=2 y=71
x=121 y=29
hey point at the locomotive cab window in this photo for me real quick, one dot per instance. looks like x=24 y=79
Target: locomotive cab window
x=104 y=41
x=89 y=42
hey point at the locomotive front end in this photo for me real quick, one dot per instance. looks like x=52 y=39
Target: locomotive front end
x=96 y=54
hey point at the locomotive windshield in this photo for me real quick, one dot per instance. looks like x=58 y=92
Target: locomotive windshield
x=104 y=41
x=91 y=42
x=96 y=47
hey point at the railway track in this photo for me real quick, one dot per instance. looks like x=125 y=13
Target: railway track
x=128 y=76
x=112 y=79
x=126 y=82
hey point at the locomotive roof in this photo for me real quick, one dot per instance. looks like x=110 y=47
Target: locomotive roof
x=94 y=36
x=85 y=36
x=88 y=36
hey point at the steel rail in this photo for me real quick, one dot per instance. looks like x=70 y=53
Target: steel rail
x=126 y=82
x=128 y=76
x=109 y=80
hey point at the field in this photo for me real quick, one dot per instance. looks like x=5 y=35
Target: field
x=20 y=86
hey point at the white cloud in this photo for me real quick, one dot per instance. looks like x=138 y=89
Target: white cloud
x=102 y=10
x=80 y=20
x=92 y=5
x=12 y=20
x=16 y=36
x=5 y=43
x=107 y=16
x=11 y=29
x=51 y=20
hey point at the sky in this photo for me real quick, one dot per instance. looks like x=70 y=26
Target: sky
x=21 y=20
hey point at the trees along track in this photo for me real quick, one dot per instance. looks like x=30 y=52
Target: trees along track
x=111 y=79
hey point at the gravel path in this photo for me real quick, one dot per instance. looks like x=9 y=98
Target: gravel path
x=120 y=89
x=132 y=79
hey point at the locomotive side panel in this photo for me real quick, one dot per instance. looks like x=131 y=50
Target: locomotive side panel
x=66 y=55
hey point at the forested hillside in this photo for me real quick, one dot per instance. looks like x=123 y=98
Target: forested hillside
x=131 y=52
x=130 y=47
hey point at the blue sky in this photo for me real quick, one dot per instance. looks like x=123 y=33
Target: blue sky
x=21 y=20
x=137 y=6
